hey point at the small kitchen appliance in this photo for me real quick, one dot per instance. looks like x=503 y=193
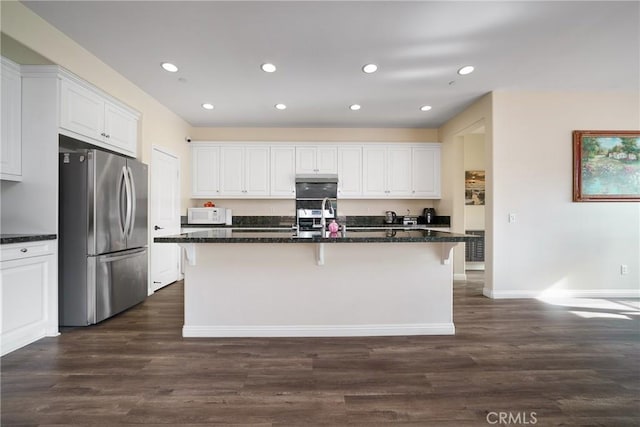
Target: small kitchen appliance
x=209 y=216
x=410 y=220
x=390 y=217
x=429 y=215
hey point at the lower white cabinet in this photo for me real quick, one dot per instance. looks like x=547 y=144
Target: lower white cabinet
x=29 y=293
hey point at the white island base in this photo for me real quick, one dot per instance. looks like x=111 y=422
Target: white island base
x=279 y=290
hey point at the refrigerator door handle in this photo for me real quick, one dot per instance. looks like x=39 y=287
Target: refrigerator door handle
x=132 y=186
x=127 y=187
x=129 y=254
x=122 y=215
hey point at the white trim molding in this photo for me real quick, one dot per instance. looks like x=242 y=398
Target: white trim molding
x=255 y=331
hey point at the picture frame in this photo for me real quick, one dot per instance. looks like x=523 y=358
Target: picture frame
x=474 y=187
x=606 y=166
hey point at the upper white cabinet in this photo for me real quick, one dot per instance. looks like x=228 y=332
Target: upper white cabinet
x=399 y=171
x=283 y=171
x=205 y=171
x=11 y=143
x=386 y=171
x=370 y=170
x=350 y=171
x=244 y=170
x=89 y=115
x=312 y=159
x=425 y=169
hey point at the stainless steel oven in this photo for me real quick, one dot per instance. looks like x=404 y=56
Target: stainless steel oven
x=316 y=200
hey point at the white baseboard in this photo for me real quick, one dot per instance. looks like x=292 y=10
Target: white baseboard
x=21 y=337
x=317 y=331
x=562 y=293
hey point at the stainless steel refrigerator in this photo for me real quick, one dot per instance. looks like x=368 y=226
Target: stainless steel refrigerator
x=103 y=262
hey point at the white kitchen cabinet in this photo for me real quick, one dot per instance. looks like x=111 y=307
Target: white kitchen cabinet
x=426 y=171
x=244 y=171
x=311 y=159
x=350 y=171
x=11 y=142
x=369 y=170
x=386 y=171
x=29 y=294
x=374 y=171
x=91 y=116
x=205 y=171
x=283 y=171
x=399 y=171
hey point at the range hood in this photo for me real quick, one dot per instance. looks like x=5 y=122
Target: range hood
x=317 y=178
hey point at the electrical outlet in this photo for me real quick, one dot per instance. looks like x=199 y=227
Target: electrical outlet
x=624 y=269
x=512 y=217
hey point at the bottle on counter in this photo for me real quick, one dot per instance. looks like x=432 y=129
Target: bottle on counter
x=334 y=227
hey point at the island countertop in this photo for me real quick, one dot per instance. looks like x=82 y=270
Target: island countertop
x=289 y=235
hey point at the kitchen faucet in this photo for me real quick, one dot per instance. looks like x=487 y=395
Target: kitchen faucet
x=323 y=219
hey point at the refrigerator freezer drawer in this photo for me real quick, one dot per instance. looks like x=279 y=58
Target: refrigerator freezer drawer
x=119 y=282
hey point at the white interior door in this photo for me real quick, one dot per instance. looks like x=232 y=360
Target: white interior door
x=165 y=217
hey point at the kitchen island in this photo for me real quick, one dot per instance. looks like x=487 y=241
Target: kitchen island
x=244 y=282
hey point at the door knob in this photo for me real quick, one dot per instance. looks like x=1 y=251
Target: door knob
x=155 y=227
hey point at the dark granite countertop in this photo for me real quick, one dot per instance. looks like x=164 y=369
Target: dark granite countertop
x=288 y=235
x=289 y=221
x=6 y=239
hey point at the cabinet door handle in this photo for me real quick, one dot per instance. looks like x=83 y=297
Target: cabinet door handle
x=108 y=136
x=24 y=250
x=103 y=134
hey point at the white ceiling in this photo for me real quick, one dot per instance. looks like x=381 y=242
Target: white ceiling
x=320 y=47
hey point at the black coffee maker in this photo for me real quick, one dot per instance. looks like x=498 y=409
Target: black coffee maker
x=429 y=215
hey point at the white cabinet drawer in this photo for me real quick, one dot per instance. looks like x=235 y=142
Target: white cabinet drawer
x=25 y=250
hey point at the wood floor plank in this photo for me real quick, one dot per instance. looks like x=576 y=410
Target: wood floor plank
x=514 y=356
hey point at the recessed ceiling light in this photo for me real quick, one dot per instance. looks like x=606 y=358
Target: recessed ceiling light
x=355 y=107
x=169 y=67
x=467 y=69
x=425 y=108
x=207 y=106
x=268 y=68
x=370 y=68
x=281 y=107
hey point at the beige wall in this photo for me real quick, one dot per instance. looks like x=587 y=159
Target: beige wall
x=159 y=126
x=316 y=134
x=452 y=135
x=557 y=244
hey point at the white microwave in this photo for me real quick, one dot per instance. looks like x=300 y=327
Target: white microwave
x=209 y=216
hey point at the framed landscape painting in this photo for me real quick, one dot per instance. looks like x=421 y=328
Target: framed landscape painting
x=606 y=166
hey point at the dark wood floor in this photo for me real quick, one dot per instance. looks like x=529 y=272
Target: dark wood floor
x=535 y=362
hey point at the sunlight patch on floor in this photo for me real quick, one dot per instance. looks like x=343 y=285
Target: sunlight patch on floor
x=590 y=308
